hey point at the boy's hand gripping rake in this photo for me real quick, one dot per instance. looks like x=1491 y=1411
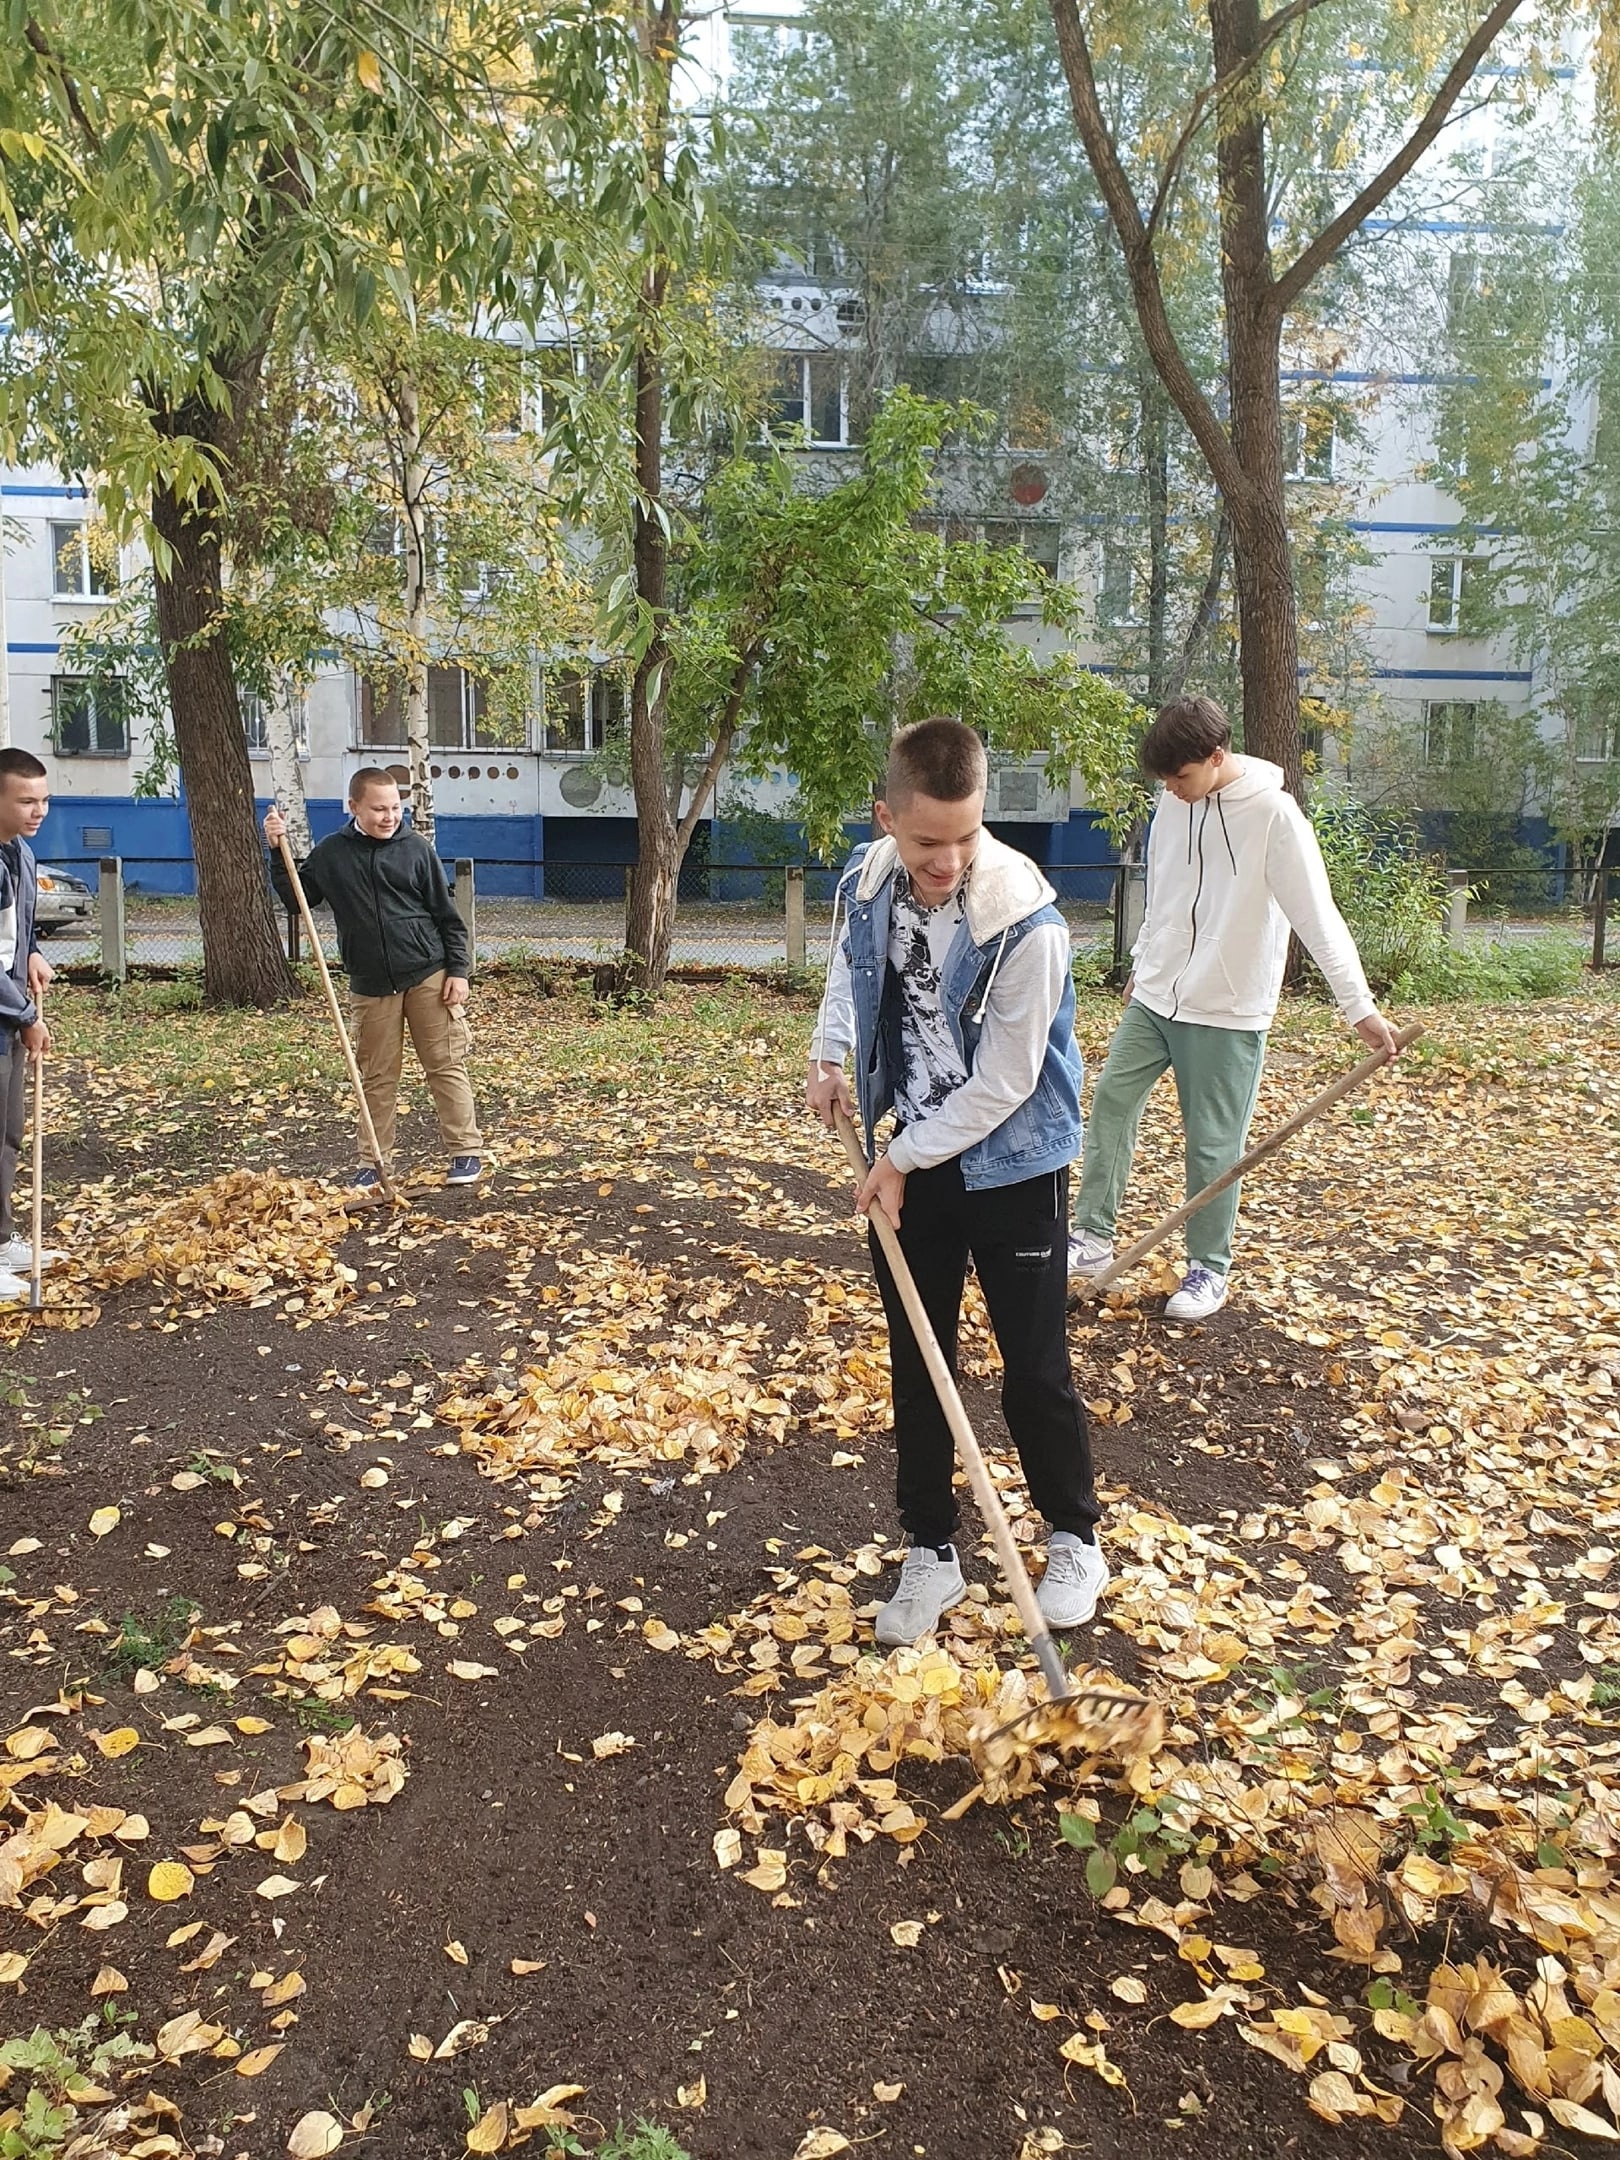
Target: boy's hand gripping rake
x=1095 y=1704
x=368 y=1131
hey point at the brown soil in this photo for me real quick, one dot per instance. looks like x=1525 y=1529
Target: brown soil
x=510 y=1839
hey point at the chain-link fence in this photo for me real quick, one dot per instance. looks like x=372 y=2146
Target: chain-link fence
x=105 y=919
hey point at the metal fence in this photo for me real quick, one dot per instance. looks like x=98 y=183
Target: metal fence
x=757 y=916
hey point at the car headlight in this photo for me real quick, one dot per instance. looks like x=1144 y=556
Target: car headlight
x=47 y=884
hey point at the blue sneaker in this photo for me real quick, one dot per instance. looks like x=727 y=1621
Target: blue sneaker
x=464 y=1170
x=365 y=1179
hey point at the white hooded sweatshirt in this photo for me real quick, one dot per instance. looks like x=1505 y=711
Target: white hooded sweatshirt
x=1226 y=878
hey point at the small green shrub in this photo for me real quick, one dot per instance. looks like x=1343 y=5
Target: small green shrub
x=1497 y=971
x=1392 y=896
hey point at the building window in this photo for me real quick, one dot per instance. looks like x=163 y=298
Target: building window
x=1116 y=586
x=255 y=718
x=1309 y=443
x=1450 y=727
x=583 y=706
x=89 y=716
x=382 y=713
x=1039 y=538
x=75 y=574
x=1597 y=736
x=763 y=41
x=461 y=714
x=1456 y=595
x=807 y=391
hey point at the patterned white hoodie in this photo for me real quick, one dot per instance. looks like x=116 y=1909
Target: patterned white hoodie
x=1226 y=879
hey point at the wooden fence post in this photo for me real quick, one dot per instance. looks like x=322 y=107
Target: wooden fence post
x=110 y=909
x=795 y=920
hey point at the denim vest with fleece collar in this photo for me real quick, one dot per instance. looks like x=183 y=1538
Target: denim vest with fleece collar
x=1007 y=898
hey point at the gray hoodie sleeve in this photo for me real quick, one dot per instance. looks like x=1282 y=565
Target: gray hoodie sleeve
x=1023 y=1003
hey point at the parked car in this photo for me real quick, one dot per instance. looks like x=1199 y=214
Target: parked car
x=66 y=903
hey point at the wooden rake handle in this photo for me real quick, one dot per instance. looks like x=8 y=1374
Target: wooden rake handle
x=36 y=1218
x=971 y=1454
x=368 y=1130
x=1346 y=1084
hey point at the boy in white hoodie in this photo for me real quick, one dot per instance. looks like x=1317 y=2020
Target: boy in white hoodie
x=1232 y=864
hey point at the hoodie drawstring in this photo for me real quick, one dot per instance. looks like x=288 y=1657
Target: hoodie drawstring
x=1220 y=812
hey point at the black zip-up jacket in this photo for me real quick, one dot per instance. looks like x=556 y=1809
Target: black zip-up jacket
x=19 y=896
x=396 y=922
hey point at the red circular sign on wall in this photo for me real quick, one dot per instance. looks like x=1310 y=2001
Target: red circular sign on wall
x=1028 y=485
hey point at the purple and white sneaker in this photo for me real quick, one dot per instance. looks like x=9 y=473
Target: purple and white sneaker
x=1202 y=1292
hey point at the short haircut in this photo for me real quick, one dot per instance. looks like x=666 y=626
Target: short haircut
x=21 y=763
x=1184 y=732
x=938 y=758
x=369 y=776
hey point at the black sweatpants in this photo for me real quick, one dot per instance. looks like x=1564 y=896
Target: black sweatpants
x=1017 y=1236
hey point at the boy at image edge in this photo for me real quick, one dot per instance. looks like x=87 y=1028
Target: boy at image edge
x=24 y=977
x=952 y=987
x=1225 y=882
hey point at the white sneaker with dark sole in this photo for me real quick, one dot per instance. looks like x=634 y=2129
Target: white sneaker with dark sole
x=928 y=1587
x=1202 y=1292
x=1088 y=1253
x=1076 y=1577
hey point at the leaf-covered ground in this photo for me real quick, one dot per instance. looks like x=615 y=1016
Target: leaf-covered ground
x=436 y=1711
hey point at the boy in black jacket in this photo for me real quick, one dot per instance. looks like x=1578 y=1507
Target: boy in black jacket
x=405 y=949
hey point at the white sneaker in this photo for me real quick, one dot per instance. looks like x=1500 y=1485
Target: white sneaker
x=1202 y=1292
x=17 y=1256
x=1076 y=1576
x=1088 y=1253
x=928 y=1587
x=14 y=1290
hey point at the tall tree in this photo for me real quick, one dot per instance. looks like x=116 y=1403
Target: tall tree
x=1267 y=87
x=1528 y=444
x=186 y=179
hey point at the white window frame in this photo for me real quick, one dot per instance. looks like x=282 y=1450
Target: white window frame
x=1441 y=750
x=804 y=361
x=1131 y=618
x=1447 y=574
x=602 y=684
x=1608 y=736
x=1297 y=423
x=93 y=583
x=255 y=712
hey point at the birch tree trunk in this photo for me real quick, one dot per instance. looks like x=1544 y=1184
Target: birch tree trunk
x=413 y=507
x=286 y=773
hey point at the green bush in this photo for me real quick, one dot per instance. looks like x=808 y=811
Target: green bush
x=1392 y=896
x=1493 y=972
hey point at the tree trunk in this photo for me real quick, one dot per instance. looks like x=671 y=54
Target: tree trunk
x=243 y=963
x=1156 y=472
x=652 y=889
x=1268 y=627
x=649 y=924
x=413 y=506
x=286 y=773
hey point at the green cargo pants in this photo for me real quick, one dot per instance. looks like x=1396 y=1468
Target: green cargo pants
x=1217 y=1079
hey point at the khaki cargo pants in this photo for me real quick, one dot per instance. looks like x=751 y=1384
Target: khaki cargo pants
x=440 y=1039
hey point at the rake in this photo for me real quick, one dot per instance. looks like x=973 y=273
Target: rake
x=1090 y=1286
x=1100 y=1704
x=368 y=1131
